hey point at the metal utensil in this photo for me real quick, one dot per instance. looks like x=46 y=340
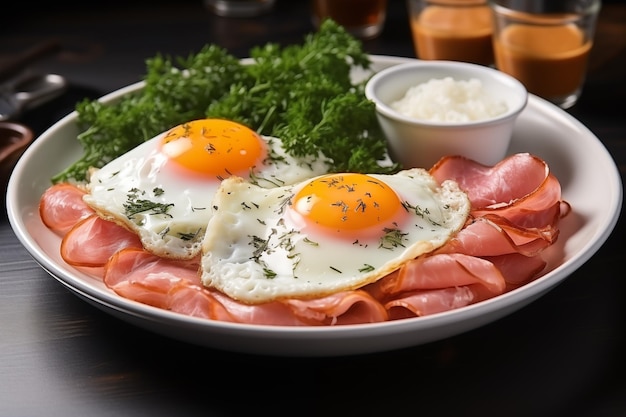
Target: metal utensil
x=28 y=91
x=16 y=64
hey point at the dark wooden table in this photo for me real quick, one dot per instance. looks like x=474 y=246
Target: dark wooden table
x=59 y=356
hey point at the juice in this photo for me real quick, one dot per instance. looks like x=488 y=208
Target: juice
x=550 y=61
x=363 y=18
x=457 y=33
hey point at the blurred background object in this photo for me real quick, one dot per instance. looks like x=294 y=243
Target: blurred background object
x=546 y=44
x=239 y=8
x=14 y=139
x=454 y=30
x=362 y=18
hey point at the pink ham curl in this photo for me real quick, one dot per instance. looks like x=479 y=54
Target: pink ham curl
x=168 y=284
x=347 y=307
x=93 y=240
x=493 y=235
x=175 y=285
x=432 y=284
x=61 y=206
x=442 y=271
x=520 y=188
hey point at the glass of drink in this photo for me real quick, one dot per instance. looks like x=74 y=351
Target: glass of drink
x=362 y=18
x=239 y=8
x=452 y=30
x=545 y=44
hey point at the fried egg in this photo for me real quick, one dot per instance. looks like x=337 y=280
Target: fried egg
x=327 y=234
x=162 y=189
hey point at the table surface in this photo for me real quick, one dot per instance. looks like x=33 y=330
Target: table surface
x=60 y=356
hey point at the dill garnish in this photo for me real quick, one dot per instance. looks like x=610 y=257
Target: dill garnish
x=392 y=239
x=135 y=205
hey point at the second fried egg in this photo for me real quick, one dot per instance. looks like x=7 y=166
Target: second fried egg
x=327 y=234
x=162 y=189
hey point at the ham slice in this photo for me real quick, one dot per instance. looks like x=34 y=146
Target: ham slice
x=520 y=188
x=494 y=235
x=92 y=241
x=61 y=206
x=169 y=284
x=512 y=179
x=443 y=271
x=348 y=307
x=515 y=215
x=175 y=285
x=423 y=303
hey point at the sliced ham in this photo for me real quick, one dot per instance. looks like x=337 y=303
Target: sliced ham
x=423 y=303
x=274 y=313
x=493 y=235
x=518 y=269
x=175 y=285
x=515 y=215
x=443 y=271
x=61 y=206
x=538 y=209
x=348 y=307
x=513 y=178
x=164 y=283
x=92 y=241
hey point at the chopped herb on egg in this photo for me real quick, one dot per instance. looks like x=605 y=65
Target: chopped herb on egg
x=190 y=236
x=269 y=274
x=300 y=93
x=423 y=213
x=135 y=205
x=392 y=238
x=310 y=242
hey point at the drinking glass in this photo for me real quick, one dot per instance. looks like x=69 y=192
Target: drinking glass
x=452 y=30
x=545 y=44
x=364 y=19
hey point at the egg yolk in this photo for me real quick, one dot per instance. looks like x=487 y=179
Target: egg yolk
x=214 y=147
x=351 y=205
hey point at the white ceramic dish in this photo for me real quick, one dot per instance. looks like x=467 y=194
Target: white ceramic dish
x=421 y=143
x=575 y=155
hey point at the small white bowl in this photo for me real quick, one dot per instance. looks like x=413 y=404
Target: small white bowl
x=421 y=143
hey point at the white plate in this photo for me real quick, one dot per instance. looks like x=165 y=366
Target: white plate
x=575 y=155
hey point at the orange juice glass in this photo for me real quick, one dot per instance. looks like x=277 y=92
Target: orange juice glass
x=545 y=45
x=452 y=30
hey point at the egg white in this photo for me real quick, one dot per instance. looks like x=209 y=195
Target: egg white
x=169 y=207
x=255 y=252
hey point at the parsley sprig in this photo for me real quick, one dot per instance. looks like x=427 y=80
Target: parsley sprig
x=301 y=93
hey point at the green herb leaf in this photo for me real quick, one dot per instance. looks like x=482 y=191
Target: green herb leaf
x=302 y=94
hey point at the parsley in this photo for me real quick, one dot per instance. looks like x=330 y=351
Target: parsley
x=300 y=93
